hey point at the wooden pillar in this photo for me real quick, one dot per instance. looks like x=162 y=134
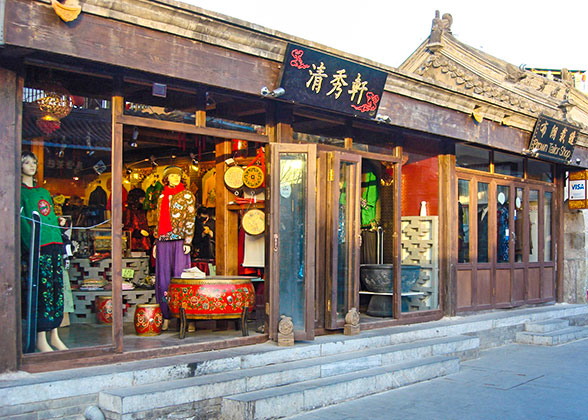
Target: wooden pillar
x=447 y=234
x=559 y=232
x=397 y=235
x=200 y=112
x=279 y=124
x=11 y=90
x=116 y=223
x=227 y=228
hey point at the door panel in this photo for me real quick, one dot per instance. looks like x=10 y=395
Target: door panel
x=503 y=286
x=518 y=285
x=484 y=288
x=464 y=289
x=548 y=281
x=292 y=237
x=534 y=282
x=343 y=190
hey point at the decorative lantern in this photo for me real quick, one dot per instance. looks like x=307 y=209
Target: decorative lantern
x=55 y=105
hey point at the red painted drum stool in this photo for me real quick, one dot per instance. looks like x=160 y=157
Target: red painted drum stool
x=148 y=319
x=216 y=297
x=103 y=306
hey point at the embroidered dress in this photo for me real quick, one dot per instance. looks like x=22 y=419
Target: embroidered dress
x=50 y=289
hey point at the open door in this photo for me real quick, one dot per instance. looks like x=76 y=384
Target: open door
x=343 y=236
x=292 y=237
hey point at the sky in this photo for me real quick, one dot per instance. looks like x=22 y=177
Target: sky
x=388 y=31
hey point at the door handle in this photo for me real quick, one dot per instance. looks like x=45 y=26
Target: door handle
x=276 y=242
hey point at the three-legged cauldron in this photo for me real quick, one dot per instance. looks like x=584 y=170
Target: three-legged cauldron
x=216 y=297
x=379 y=280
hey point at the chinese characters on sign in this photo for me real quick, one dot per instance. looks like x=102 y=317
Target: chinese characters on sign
x=553 y=140
x=313 y=78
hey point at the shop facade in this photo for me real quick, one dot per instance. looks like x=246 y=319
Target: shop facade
x=345 y=192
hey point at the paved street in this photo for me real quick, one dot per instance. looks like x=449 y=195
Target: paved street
x=519 y=382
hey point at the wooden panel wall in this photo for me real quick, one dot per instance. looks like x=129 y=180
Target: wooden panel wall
x=33 y=25
x=10 y=148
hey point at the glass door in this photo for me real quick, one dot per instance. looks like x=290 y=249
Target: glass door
x=292 y=237
x=343 y=233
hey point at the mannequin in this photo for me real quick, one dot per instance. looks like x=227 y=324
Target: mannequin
x=176 y=213
x=50 y=289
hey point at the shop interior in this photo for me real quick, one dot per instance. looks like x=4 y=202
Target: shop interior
x=67 y=126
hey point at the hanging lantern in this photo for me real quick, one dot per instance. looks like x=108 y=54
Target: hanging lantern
x=48 y=124
x=55 y=105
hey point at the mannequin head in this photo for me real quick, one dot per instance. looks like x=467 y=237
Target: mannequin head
x=172 y=176
x=28 y=168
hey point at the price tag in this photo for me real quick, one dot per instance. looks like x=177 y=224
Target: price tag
x=128 y=273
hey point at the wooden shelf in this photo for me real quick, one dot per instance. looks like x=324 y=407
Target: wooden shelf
x=392 y=294
x=258 y=205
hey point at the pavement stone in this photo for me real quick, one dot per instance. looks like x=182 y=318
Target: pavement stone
x=512 y=382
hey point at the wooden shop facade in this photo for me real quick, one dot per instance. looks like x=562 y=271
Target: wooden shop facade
x=330 y=182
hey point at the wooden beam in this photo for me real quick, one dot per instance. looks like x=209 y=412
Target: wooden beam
x=116 y=43
x=11 y=88
x=191 y=129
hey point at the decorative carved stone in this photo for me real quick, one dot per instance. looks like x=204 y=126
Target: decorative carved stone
x=514 y=74
x=285 y=332
x=439 y=26
x=351 y=326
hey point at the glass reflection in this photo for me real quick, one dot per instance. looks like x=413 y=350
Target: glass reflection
x=482 y=222
x=463 y=210
x=519 y=215
x=533 y=225
x=547 y=214
x=502 y=227
x=293 y=196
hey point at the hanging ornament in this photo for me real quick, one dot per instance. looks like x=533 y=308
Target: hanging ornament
x=53 y=106
x=67 y=10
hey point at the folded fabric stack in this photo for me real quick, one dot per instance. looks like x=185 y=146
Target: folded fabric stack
x=93 y=284
x=127 y=285
x=192 y=273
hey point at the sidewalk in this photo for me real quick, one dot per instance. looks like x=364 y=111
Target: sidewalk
x=511 y=382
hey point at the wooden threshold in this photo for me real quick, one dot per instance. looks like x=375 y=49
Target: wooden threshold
x=70 y=359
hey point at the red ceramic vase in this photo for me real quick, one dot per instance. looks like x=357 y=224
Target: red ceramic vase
x=103 y=306
x=148 y=319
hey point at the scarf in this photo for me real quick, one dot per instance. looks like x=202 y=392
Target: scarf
x=164 y=214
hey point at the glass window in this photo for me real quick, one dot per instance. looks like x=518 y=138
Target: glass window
x=463 y=225
x=519 y=216
x=547 y=215
x=533 y=226
x=539 y=171
x=507 y=164
x=66 y=182
x=293 y=172
x=482 y=222
x=472 y=157
x=502 y=224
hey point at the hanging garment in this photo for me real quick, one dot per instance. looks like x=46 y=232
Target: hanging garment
x=369 y=198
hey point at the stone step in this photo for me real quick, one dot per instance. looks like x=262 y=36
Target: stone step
x=552 y=338
x=183 y=391
x=293 y=399
x=547 y=325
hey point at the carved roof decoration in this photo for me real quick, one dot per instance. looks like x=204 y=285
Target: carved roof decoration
x=442 y=59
